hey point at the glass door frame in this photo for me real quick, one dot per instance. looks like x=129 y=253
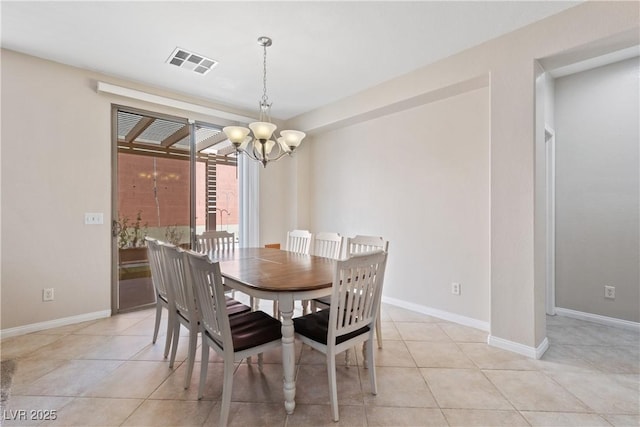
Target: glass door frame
x=115 y=108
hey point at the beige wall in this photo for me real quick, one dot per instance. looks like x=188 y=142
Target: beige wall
x=421 y=179
x=517 y=286
x=278 y=201
x=56 y=165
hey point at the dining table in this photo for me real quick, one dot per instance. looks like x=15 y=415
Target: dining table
x=281 y=276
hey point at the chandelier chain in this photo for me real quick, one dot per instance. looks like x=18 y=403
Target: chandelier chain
x=265 y=98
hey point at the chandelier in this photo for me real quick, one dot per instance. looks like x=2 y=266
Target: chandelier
x=260 y=146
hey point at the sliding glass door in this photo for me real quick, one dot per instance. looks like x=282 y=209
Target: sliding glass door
x=165 y=186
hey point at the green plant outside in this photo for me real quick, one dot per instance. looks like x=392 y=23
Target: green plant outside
x=131 y=234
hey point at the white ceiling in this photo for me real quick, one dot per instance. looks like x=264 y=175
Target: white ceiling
x=322 y=51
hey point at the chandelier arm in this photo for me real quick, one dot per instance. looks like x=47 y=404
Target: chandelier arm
x=252 y=155
x=249 y=154
x=263 y=151
x=280 y=156
x=279 y=148
x=256 y=152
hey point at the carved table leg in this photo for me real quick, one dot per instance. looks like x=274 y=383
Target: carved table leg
x=288 y=352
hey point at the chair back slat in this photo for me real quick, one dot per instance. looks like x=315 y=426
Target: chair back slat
x=154 y=252
x=362 y=244
x=357 y=289
x=299 y=241
x=209 y=295
x=327 y=245
x=176 y=276
x=212 y=241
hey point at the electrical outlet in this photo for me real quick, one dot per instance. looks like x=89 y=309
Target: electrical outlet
x=455 y=288
x=47 y=294
x=610 y=292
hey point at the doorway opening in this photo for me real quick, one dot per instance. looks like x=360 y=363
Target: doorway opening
x=550 y=148
x=584 y=248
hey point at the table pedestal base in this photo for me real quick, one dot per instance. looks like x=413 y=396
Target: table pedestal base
x=288 y=353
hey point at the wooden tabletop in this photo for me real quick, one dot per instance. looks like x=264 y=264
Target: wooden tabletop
x=276 y=270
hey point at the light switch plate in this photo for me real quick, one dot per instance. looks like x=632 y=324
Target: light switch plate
x=95 y=218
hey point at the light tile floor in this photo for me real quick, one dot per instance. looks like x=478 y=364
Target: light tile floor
x=430 y=373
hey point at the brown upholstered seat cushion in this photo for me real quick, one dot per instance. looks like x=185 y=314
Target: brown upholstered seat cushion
x=235 y=307
x=324 y=300
x=316 y=327
x=252 y=329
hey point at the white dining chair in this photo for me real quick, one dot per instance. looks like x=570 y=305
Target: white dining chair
x=327 y=245
x=163 y=299
x=184 y=305
x=211 y=241
x=299 y=242
x=233 y=338
x=359 y=245
x=362 y=244
x=350 y=320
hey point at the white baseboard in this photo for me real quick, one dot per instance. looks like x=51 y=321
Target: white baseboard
x=596 y=318
x=525 y=350
x=532 y=352
x=56 y=323
x=440 y=314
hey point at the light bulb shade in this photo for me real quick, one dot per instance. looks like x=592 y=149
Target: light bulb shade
x=245 y=143
x=262 y=130
x=268 y=146
x=292 y=138
x=283 y=144
x=236 y=134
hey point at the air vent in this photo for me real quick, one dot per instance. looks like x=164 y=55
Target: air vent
x=191 y=61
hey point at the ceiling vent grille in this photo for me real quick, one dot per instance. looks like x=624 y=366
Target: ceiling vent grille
x=191 y=61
